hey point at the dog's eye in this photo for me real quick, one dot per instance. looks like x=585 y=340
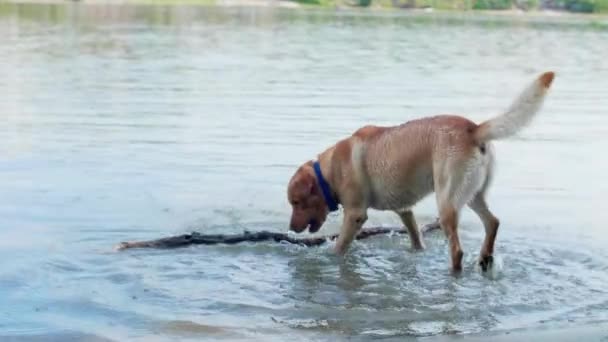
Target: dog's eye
x=296 y=203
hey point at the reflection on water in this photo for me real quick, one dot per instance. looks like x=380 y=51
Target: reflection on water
x=135 y=122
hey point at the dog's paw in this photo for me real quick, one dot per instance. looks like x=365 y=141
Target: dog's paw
x=486 y=262
x=457 y=262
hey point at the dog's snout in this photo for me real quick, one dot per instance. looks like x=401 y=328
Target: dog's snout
x=293 y=225
x=297 y=224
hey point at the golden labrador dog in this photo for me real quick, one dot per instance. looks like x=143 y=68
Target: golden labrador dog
x=393 y=168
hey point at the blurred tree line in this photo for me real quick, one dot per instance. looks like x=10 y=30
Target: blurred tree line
x=580 y=6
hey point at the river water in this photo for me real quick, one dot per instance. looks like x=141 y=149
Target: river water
x=128 y=123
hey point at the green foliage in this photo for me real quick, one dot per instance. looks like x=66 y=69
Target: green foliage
x=526 y=5
x=364 y=3
x=601 y=6
x=308 y=2
x=445 y=4
x=584 y=6
x=320 y=3
x=492 y=4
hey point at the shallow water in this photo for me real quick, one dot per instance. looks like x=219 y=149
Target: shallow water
x=128 y=123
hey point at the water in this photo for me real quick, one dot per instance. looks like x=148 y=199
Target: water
x=128 y=123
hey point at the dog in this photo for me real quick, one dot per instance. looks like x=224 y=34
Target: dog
x=393 y=168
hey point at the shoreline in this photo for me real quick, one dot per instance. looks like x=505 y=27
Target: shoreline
x=514 y=12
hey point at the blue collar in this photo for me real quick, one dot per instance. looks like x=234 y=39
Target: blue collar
x=329 y=199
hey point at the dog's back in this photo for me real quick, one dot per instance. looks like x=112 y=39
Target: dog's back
x=400 y=165
x=398 y=162
x=392 y=168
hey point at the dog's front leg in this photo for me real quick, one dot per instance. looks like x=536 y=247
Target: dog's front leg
x=351 y=224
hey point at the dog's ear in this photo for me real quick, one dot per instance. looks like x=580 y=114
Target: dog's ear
x=313 y=187
x=308 y=183
x=305 y=183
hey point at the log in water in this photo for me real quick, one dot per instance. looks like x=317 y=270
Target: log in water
x=230 y=239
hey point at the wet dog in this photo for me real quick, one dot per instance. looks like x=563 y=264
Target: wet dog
x=393 y=168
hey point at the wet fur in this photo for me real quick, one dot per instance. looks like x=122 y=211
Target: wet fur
x=393 y=168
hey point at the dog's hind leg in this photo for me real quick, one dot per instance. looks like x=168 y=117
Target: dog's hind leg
x=448 y=215
x=448 y=218
x=490 y=223
x=456 y=184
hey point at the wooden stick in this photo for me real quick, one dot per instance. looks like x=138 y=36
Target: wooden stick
x=230 y=239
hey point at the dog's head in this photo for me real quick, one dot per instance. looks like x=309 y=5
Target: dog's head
x=309 y=209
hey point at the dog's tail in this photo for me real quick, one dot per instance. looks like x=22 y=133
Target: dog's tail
x=520 y=113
